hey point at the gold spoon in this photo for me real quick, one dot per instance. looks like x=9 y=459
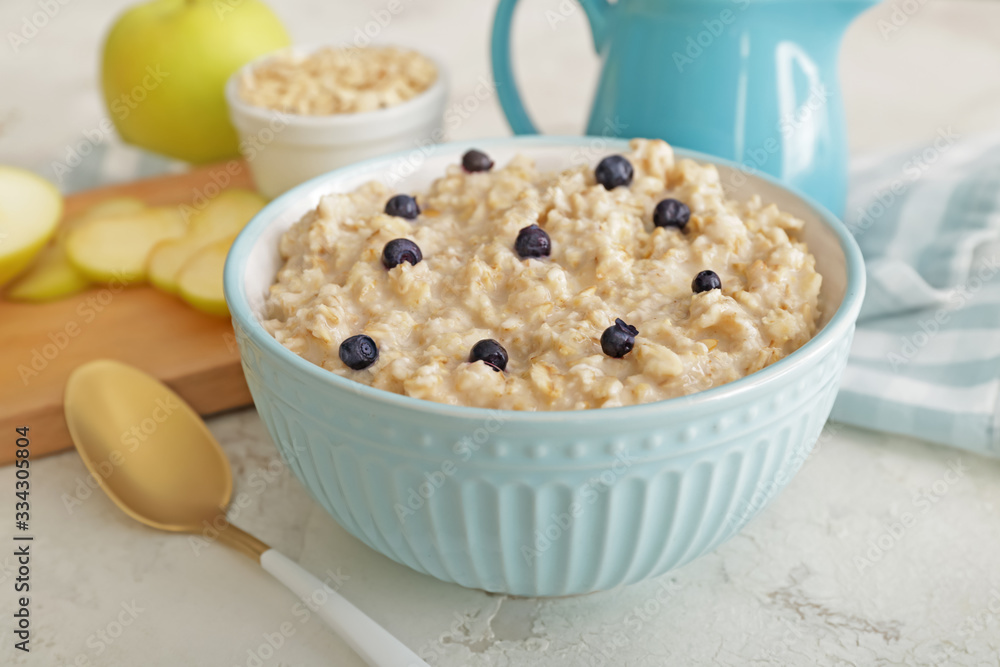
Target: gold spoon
x=155 y=458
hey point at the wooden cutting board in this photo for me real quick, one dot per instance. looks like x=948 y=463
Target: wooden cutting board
x=41 y=344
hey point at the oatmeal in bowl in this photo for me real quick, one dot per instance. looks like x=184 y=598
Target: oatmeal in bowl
x=342 y=290
x=632 y=280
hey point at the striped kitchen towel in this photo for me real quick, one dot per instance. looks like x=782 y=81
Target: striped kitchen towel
x=926 y=355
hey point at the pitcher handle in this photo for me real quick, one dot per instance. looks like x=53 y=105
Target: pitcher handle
x=597 y=11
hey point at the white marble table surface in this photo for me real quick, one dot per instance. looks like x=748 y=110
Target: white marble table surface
x=827 y=575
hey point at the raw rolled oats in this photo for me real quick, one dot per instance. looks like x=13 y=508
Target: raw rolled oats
x=335 y=81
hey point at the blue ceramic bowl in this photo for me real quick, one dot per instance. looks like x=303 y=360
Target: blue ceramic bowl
x=541 y=503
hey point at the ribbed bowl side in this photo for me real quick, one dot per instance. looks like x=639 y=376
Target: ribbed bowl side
x=543 y=511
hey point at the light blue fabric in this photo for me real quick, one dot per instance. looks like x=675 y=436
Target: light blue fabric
x=926 y=356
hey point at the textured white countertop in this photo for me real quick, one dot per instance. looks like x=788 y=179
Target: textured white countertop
x=872 y=556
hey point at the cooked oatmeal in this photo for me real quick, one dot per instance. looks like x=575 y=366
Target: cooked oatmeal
x=334 y=81
x=553 y=316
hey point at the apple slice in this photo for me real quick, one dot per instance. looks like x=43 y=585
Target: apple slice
x=168 y=258
x=228 y=213
x=51 y=277
x=30 y=208
x=114 y=206
x=200 y=280
x=105 y=209
x=223 y=218
x=116 y=248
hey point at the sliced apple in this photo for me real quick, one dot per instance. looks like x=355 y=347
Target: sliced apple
x=200 y=279
x=168 y=258
x=223 y=218
x=30 y=208
x=105 y=209
x=228 y=213
x=116 y=248
x=51 y=277
x=114 y=206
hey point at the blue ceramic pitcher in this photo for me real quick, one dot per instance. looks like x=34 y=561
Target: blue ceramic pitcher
x=754 y=81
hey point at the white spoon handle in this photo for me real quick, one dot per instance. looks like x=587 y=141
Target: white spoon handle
x=368 y=639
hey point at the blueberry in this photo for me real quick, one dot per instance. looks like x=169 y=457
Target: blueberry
x=613 y=171
x=398 y=251
x=618 y=339
x=671 y=213
x=476 y=161
x=358 y=352
x=491 y=353
x=402 y=206
x=705 y=281
x=532 y=241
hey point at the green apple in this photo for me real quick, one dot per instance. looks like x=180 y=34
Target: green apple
x=30 y=208
x=165 y=67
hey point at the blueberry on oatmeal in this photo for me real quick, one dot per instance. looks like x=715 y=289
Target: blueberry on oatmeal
x=618 y=339
x=705 y=281
x=491 y=353
x=613 y=171
x=532 y=241
x=671 y=213
x=358 y=352
x=402 y=206
x=474 y=161
x=398 y=251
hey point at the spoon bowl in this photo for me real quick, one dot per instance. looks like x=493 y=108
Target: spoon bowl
x=152 y=454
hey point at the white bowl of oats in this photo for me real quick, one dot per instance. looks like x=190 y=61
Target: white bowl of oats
x=304 y=111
